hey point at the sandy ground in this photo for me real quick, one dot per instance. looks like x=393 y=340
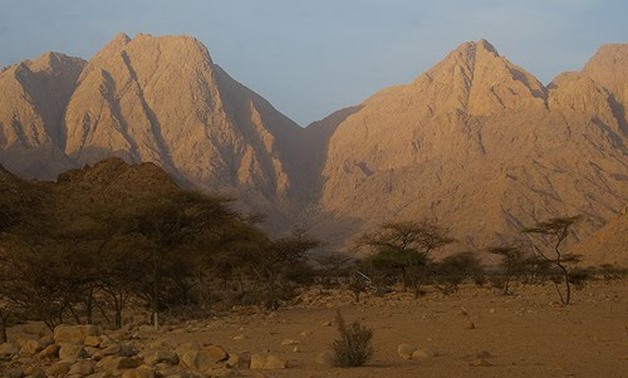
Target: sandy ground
x=524 y=335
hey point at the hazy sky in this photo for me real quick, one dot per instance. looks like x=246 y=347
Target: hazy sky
x=310 y=58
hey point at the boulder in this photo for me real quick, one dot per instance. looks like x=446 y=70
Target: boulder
x=75 y=334
x=71 y=352
x=82 y=369
x=8 y=350
x=49 y=352
x=58 y=370
x=193 y=357
x=154 y=357
x=30 y=347
x=139 y=372
x=92 y=341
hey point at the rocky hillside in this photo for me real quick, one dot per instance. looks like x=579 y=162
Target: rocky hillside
x=159 y=100
x=475 y=142
x=481 y=145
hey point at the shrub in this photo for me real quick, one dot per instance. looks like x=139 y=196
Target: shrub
x=354 y=346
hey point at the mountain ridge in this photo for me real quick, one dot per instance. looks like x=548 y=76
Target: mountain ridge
x=475 y=134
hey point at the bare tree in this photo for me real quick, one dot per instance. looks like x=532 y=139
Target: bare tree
x=554 y=231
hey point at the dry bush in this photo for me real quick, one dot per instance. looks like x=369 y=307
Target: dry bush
x=354 y=346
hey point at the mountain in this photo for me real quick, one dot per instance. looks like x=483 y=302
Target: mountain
x=163 y=100
x=476 y=142
x=32 y=130
x=608 y=245
x=482 y=146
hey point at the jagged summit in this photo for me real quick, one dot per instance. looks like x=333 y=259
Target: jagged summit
x=476 y=142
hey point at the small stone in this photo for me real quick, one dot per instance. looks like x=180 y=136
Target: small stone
x=478 y=362
x=258 y=361
x=239 y=361
x=239 y=337
x=405 y=351
x=290 y=342
x=326 y=358
x=492 y=310
x=423 y=354
x=296 y=349
x=274 y=362
x=327 y=324
x=468 y=324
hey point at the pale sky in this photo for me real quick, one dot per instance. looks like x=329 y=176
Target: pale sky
x=310 y=58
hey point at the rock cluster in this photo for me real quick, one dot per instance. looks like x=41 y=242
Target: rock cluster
x=85 y=351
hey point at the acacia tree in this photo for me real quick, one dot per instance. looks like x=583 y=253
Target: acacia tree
x=514 y=262
x=168 y=228
x=406 y=247
x=275 y=260
x=553 y=232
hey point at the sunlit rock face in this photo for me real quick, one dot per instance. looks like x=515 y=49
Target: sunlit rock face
x=476 y=142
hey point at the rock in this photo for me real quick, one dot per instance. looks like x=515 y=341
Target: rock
x=140 y=372
x=71 y=352
x=111 y=350
x=217 y=353
x=75 y=334
x=258 y=361
x=274 y=362
x=30 y=347
x=59 y=370
x=14 y=373
x=405 y=351
x=129 y=362
x=297 y=349
x=92 y=341
x=290 y=342
x=327 y=324
x=477 y=362
x=112 y=363
x=326 y=358
x=81 y=369
x=423 y=354
x=468 y=324
x=8 y=350
x=202 y=359
x=155 y=357
x=34 y=372
x=49 y=352
x=239 y=361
